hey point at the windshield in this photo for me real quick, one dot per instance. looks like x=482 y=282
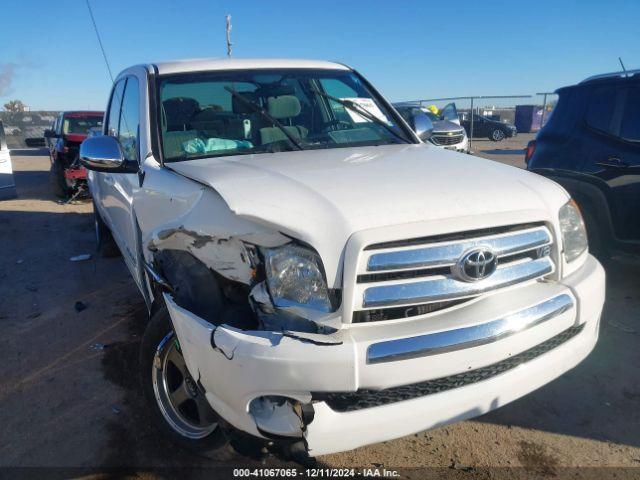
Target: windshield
x=80 y=125
x=209 y=114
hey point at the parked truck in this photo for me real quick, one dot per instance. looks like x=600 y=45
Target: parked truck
x=317 y=275
x=68 y=178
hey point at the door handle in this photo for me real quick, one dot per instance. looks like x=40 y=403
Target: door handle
x=613 y=162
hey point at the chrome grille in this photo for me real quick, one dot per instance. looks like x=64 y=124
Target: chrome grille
x=422 y=272
x=444 y=139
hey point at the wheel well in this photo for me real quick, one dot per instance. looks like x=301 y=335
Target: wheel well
x=202 y=291
x=591 y=200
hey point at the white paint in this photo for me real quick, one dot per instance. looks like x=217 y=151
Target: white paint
x=323 y=197
x=247 y=365
x=339 y=201
x=215 y=64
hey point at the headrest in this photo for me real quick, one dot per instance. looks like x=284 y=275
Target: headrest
x=180 y=107
x=284 y=106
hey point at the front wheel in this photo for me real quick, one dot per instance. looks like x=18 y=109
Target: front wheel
x=497 y=135
x=177 y=402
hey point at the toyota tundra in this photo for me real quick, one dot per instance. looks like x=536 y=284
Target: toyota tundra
x=316 y=274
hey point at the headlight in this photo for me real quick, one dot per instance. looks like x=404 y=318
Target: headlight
x=574 y=234
x=295 y=277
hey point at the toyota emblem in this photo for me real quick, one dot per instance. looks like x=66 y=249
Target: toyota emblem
x=476 y=264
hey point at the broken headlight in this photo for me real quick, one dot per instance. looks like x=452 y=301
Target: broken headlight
x=574 y=234
x=295 y=277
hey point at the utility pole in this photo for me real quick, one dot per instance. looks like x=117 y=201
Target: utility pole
x=544 y=105
x=229 y=44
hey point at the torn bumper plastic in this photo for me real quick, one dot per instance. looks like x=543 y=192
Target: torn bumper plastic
x=237 y=367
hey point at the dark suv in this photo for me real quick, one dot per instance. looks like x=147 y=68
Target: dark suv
x=591 y=146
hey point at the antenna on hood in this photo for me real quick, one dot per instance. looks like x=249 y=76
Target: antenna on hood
x=623 y=69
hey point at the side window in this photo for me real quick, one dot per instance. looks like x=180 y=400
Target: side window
x=630 y=127
x=114 y=109
x=129 y=120
x=600 y=108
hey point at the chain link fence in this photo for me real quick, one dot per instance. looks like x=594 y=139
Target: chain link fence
x=528 y=113
x=26 y=129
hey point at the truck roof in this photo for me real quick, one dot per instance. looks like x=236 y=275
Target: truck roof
x=205 y=64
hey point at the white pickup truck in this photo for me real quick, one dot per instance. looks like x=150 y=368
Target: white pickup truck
x=316 y=275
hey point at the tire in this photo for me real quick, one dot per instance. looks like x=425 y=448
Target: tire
x=105 y=244
x=58 y=182
x=191 y=424
x=497 y=135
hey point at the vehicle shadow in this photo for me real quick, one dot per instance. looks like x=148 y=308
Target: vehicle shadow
x=600 y=398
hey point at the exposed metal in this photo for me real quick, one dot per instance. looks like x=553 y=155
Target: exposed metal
x=467 y=337
x=155 y=276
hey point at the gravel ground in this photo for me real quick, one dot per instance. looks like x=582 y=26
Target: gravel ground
x=69 y=394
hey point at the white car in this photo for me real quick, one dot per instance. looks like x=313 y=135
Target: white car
x=318 y=276
x=7 y=183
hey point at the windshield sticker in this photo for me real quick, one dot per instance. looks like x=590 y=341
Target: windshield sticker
x=366 y=104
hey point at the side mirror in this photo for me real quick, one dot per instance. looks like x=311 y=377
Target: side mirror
x=48 y=133
x=104 y=154
x=422 y=125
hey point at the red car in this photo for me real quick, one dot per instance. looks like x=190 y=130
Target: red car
x=68 y=177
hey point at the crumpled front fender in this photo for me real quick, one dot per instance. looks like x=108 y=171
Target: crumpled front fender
x=236 y=366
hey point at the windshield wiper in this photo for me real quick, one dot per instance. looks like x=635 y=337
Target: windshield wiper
x=362 y=112
x=258 y=109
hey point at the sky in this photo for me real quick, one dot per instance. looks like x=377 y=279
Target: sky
x=50 y=57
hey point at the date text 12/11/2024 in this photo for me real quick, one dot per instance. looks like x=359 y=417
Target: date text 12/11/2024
x=315 y=473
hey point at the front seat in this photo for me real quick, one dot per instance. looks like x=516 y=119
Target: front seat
x=178 y=112
x=283 y=108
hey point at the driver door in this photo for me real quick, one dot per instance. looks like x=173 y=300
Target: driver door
x=450 y=112
x=123 y=185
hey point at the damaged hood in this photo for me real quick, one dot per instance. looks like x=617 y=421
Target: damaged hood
x=324 y=196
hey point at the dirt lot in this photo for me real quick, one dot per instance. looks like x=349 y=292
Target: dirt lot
x=69 y=395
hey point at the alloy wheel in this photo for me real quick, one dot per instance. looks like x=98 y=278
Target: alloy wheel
x=497 y=135
x=181 y=402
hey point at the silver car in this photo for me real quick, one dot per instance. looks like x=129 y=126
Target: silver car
x=447 y=132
